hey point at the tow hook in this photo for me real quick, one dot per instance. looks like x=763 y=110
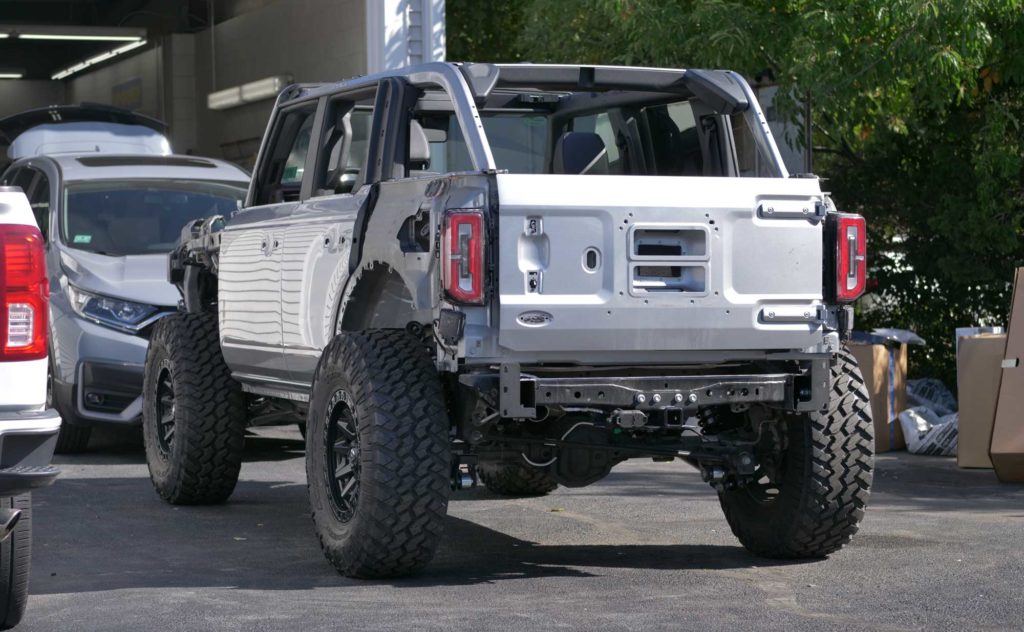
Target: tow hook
x=463 y=475
x=743 y=465
x=715 y=476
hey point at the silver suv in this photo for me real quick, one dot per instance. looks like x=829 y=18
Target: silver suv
x=109 y=221
x=526 y=274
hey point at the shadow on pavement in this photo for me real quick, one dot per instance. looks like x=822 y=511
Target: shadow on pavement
x=113 y=532
x=102 y=534
x=473 y=554
x=125 y=446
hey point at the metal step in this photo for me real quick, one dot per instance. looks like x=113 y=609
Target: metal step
x=25 y=477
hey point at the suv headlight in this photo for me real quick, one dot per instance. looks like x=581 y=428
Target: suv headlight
x=112 y=312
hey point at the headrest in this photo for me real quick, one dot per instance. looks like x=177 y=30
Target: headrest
x=419 y=147
x=579 y=153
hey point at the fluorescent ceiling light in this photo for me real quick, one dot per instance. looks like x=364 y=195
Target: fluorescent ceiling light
x=264 y=88
x=87 y=38
x=79 y=33
x=11 y=75
x=251 y=92
x=92 y=61
x=224 y=99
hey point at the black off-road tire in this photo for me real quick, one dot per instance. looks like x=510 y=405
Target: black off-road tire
x=514 y=479
x=200 y=463
x=825 y=478
x=73 y=438
x=382 y=385
x=15 y=563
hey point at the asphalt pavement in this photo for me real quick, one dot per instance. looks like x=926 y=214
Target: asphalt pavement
x=645 y=549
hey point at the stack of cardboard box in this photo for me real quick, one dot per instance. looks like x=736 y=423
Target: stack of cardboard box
x=991 y=383
x=977 y=376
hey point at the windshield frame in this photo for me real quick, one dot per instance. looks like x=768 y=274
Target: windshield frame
x=184 y=184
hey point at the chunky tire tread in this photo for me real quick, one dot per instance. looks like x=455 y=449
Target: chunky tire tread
x=405 y=454
x=514 y=479
x=826 y=480
x=210 y=414
x=15 y=563
x=72 y=439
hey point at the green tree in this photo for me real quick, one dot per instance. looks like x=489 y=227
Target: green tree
x=917 y=114
x=482 y=30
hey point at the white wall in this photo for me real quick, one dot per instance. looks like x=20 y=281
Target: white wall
x=404 y=33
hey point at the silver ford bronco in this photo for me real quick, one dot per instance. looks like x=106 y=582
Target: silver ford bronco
x=522 y=275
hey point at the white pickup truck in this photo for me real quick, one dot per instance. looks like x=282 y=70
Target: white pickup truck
x=28 y=425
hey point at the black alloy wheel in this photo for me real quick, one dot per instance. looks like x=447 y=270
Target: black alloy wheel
x=165 y=409
x=343 y=456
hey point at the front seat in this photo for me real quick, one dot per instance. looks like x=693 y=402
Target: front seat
x=580 y=153
x=419 y=150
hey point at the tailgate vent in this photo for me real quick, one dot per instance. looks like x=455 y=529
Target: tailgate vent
x=661 y=243
x=668 y=259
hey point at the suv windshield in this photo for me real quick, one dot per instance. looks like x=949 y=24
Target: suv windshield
x=136 y=217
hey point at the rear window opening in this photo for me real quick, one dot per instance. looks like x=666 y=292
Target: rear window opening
x=602 y=133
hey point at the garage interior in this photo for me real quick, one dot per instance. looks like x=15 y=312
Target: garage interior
x=209 y=68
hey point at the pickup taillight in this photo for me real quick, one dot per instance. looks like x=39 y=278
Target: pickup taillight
x=462 y=256
x=24 y=293
x=851 y=257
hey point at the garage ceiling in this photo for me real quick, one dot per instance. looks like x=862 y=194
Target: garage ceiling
x=40 y=59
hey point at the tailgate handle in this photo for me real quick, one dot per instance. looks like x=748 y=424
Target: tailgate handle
x=790 y=314
x=791 y=209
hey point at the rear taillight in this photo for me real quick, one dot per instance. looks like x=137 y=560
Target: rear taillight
x=851 y=257
x=462 y=256
x=24 y=293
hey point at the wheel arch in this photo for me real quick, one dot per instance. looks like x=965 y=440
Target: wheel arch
x=379 y=297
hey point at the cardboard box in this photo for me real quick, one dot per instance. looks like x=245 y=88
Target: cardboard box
x=978 y=371
x=1007 y=449
x=885 y=375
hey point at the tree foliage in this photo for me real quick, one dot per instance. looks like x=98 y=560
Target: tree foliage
x=479 y=30
x=918 y=107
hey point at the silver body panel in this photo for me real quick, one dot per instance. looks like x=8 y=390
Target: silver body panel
x=748 y=266
x=282 y=270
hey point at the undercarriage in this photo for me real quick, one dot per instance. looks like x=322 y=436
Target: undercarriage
x=574 y=425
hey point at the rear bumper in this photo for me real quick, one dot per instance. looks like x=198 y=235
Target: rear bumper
x=804 y=388
x=27 y=440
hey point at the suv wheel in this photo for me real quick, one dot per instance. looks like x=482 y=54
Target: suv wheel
x=73 y=438
x=193 y=413
x=377 y=454
x=15 y=562
x=514 y=479
x=824 y=478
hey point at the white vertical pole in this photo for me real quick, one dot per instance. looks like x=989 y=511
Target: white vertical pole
x=403 y=32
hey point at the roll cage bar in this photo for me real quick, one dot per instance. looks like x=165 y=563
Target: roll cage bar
x=469 y=84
